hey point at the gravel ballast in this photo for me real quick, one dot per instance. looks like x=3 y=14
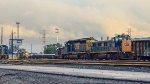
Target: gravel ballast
x=99 y=67
x=24 y=77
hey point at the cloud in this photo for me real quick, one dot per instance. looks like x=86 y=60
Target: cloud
x=75 y=18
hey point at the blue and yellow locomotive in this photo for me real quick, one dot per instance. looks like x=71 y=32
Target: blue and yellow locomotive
x=4 y=52
x=118 y=47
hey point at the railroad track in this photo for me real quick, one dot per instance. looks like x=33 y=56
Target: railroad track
x=132 y=63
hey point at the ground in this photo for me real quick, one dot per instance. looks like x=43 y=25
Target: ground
x=23 y=77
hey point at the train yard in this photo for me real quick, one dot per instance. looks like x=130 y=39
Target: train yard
x=74 y=42
x=120 y=58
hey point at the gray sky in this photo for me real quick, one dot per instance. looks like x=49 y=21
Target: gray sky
x=75 y=18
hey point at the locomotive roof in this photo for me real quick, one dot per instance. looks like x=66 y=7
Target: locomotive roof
x=82 y=39
x=104 y=41
x=3 y=45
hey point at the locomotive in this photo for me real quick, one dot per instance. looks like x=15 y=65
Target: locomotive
x=118 y=47
x=3 y=52
x=77 y=49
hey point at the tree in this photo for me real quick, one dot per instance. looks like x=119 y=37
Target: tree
x=51 y=48
x=20 y=53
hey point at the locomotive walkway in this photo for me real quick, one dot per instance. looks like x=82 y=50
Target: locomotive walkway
x=86 y=73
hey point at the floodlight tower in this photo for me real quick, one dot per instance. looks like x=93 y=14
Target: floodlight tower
x=18 y=23
x=57 y=33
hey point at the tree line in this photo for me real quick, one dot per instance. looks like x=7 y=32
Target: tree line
x=51 y=48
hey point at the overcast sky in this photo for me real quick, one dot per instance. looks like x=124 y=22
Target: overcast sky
x=74 y=18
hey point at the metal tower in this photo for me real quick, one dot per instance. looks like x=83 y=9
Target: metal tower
x=57 y=33
x=129 y=32
x=43 y=39
x=17 y=29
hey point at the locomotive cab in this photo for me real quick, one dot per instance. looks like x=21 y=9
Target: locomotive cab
x=119 y=47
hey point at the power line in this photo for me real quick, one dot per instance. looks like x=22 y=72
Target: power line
x=44 y=37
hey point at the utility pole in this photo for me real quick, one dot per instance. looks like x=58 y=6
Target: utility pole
x=17 y=29
x=12 y=49
x=57 y=33
x=1 y=35
x=31 y=48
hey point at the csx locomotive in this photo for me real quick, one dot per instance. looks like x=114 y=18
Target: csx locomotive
x=3 y=52
x=118 y=47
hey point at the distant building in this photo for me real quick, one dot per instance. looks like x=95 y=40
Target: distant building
x=15 y=45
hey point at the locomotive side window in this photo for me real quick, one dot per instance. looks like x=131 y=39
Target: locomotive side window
x=94 y=44
x=110 y=45
x=99 y=44
x=105 y=44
